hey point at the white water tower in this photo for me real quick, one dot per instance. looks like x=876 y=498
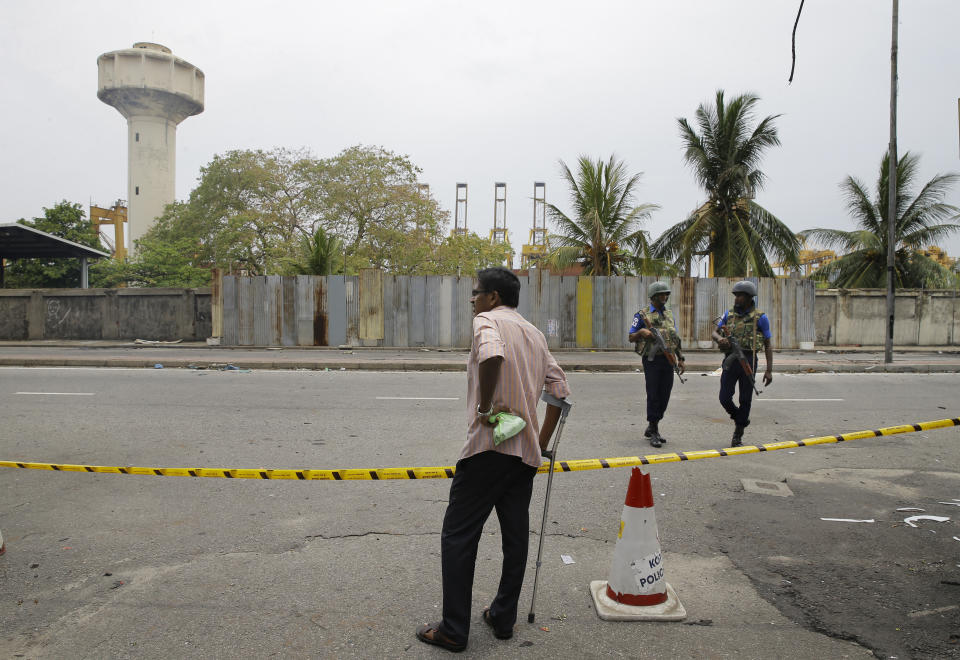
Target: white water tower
x=155 y=91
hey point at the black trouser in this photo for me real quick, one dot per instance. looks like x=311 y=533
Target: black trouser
x=729 y=379
x=658 y=375
x=483 y=482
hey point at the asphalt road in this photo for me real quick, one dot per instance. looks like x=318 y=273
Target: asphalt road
x=149 y=567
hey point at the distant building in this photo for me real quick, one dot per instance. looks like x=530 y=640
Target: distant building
x=939 y=255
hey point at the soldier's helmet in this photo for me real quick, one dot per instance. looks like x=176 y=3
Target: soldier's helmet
x=745 y=286
x=657 y=287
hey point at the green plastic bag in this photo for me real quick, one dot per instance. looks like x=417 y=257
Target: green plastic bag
x=507 y=426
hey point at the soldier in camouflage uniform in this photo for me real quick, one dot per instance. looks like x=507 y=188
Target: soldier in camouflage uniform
x=657 y=370
x=751 y=329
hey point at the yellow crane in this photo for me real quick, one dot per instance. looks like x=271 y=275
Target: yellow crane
x=116 y=216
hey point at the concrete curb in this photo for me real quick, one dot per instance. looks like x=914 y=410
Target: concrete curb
x=437 y=366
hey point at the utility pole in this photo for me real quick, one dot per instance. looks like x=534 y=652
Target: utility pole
x=892 y=190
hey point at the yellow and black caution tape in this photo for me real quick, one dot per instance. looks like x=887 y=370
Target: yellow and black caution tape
x=446 y=472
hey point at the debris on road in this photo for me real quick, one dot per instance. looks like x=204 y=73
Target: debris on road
x=849 y=520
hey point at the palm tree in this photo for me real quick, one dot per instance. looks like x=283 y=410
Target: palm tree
x=921 y=220
x=321 y=253
x=604 y=234
x=725 y=157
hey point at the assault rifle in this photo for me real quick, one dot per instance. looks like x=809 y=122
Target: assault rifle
x=661 y=346
x=736 y=353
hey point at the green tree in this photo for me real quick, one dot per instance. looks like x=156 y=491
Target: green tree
x=322 y=254
x=465 y=254
x=66 y=220
x=725 y=156
x=604 y=234
x=372 y=202
x=921 y=220
x=250 y=209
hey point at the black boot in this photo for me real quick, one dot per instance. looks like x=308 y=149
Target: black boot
x=737 y=436
x=651 y=427
x=656 y=439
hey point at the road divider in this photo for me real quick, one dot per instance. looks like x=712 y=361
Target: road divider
x=446 y=472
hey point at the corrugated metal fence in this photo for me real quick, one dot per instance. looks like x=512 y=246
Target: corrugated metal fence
x=376 y=309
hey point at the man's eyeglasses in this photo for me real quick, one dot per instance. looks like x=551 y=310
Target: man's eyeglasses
x=477 y=292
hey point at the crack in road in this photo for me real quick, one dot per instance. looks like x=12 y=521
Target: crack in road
x=363 y=534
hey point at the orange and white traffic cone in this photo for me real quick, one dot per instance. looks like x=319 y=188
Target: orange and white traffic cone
x=637 y=590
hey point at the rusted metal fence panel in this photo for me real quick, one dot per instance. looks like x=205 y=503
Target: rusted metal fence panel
x=597 y=312
x=216 y=302
x=401 y=320
x=552 y=327
x=614 y=324
x=632 y=303
x=534 y=288
x=304 y=301
x=523 y=305
x=336 y=309
x=352 y=309
x=788 y=312
x=445 y=310
x=417 y=309
x=288 y=312
x=267 y=301
x=806 y=314
x=704 y=313
x=724 y=295
x=685 y=308
x=313 y=325
x=370 y=306
x=389 y=310
x=568 y=311
x=230 y=336
x=263 y=314
x=768 y=302
x=274 y=288
x=431 y=320
x=245 y=311
x=463 y=311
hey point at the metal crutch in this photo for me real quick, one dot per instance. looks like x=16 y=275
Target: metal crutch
x=564 y=407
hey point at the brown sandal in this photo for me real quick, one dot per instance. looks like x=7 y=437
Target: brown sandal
x=437 y=638
x=499 y=634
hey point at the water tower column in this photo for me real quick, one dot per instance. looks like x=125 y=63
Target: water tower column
x=152 y=165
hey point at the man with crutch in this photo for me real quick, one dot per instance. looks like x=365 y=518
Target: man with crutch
x=508 y=368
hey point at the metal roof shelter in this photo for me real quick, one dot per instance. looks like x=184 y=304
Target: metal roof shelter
x=22 y=242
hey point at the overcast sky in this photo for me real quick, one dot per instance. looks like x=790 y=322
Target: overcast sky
x=491 y=91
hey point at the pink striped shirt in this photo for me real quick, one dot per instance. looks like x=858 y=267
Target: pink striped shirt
x=528 y=368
